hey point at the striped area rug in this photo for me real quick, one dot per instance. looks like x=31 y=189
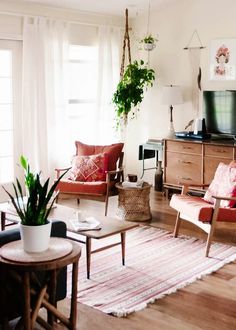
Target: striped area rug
x=156 y=265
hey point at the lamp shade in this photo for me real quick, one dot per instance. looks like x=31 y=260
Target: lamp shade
x=172 y=95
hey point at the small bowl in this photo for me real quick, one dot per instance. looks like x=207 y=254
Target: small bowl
x=132 y=177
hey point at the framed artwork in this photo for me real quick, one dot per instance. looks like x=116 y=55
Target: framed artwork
x=223 y=59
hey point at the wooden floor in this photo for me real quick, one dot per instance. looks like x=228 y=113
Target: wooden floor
x=209 y=303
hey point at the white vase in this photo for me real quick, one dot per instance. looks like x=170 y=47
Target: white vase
x=35 y=238
x=148 y=46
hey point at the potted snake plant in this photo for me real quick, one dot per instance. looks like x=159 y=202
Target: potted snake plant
x=34 y=208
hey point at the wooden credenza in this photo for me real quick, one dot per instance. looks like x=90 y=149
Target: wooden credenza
x=194 y=161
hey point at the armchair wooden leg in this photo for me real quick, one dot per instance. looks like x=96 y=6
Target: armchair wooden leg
x=106 y=206
x=177 y=225
x=213 y=224
x=209 y=239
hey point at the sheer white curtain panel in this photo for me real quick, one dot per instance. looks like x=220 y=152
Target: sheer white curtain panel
x=109 y=48
x=44 y=99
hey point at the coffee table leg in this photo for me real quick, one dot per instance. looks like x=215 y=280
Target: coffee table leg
x=88 y=255
x=3 y=220
x=122 y=236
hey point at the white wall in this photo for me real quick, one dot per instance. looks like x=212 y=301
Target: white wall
x=174 y=25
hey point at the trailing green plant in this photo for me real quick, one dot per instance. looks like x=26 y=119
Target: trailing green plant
x=130 y=90
x=148 y=39
x=34 y=209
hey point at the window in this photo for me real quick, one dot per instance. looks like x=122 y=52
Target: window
x=6 y=117
x=10 y=122
x=82 y=92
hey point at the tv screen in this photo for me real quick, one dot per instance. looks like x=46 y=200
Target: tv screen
x=219 y=111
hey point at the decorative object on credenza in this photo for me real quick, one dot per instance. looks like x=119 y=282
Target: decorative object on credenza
x=171 y=95
x=34 y=208
x=223 y=59
x=189 y=124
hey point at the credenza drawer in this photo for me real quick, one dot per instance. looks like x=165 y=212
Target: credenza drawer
x=177 y=176
x=184 y=147
x=219 y=151
x=210 y=166
x=183 y=161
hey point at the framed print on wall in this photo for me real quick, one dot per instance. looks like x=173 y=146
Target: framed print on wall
x=223 y=59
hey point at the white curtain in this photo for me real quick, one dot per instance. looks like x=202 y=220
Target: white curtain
x=45 y=46
x=109 y=47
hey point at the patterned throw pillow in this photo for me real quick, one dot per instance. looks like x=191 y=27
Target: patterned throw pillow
x=223 y=184
x=113 y=151
x=89 y=168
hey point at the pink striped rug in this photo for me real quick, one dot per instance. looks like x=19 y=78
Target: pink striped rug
x=156 y=265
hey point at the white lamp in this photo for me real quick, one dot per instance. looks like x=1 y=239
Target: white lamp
x=171 y=95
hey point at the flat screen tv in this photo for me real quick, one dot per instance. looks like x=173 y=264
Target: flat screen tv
x=219 y=111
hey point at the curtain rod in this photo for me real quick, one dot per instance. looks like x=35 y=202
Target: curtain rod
x=59 y=19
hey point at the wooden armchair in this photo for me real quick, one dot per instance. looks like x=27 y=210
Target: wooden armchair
x=99 y=190
x=203 y=213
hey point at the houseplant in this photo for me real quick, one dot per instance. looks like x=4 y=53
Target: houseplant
x=34 y=208
x=149 y=42
x=130 y=89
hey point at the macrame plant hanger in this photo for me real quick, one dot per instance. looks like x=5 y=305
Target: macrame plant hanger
x=126 y=42
x=194 y=56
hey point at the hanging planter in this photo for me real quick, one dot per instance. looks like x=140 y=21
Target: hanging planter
x=130 y=90
x=149 y=42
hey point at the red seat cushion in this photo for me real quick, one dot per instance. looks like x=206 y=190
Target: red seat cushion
x=89 y=168
x=113 y=151
x=199 y=210
x=194 y=207
x=75 y=187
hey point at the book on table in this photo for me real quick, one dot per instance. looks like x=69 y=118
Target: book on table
x=89 y=223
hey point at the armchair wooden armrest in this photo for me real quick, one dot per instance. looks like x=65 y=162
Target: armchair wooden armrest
x=119 y=171
x=224 y=198
x=59 y=170
x=196 y=186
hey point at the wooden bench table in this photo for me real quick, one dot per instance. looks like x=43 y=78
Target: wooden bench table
x=24 y=267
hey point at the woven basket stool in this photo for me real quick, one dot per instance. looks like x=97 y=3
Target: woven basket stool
x=133 y=203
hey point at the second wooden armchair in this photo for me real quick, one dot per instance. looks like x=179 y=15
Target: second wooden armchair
x=95 y=171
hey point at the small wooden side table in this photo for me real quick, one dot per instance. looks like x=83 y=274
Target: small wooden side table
x=134 y=203
x=26 y=271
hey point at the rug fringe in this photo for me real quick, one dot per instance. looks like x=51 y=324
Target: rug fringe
x=124 y=313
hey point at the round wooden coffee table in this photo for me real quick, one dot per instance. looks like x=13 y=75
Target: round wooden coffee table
x=134 y=203
x=25 y=266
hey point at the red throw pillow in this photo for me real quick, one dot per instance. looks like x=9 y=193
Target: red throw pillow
x=89 y=168
x=113 y=151
x=223 y=184
x=233 y=203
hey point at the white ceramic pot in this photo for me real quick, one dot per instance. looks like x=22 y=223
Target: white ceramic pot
x=149 y=46
x=35 y=238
